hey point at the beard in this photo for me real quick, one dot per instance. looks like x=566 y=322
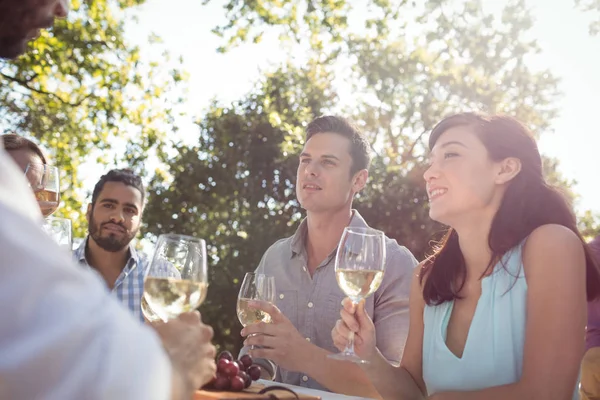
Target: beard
x=18 y=21
x=12 y=47
x=111 y=243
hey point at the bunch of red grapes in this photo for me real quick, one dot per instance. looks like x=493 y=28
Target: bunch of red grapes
x=234 y=375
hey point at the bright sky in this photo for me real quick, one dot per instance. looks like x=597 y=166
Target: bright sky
x=562 y=32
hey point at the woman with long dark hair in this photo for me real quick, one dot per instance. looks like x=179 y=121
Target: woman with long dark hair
x=498 y=311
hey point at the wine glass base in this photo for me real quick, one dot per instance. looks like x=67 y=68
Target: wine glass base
x=344 y=356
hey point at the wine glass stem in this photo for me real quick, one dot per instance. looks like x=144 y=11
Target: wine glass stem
x=350 y=345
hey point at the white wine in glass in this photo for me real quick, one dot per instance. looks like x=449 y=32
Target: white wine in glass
x=148 y=313
x=359 y=270
x=357 y=283
x=255 y=287
x=177 y=279
x=44 y=181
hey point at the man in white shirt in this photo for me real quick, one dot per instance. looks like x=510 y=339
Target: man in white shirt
x=62 y=334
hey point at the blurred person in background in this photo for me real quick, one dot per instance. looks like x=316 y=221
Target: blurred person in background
x=62 y=335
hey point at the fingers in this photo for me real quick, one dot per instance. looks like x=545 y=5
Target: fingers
x=269 y=308
x=350 y=320
x=361 y=315
x=209 y=372
x=212 y=352
x=340 y=334
x=348 y=305
x=260 y=327
x=190 y=317
x=261 y=340
x=269 y=354
x=208 y=332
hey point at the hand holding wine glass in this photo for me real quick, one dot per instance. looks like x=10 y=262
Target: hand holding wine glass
x=177 y=279
x=359 y=269
x=44 y=181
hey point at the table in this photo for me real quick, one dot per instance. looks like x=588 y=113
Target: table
x=313 y=392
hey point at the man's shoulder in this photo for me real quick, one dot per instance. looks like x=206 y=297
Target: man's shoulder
x=399 y=256
x=283 y=245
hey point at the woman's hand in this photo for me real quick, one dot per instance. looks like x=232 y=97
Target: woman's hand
x=355 y=320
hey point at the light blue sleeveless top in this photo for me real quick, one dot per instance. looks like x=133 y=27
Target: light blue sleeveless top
x=493 y=353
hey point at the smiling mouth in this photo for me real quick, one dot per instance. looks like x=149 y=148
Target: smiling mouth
x=310 y=186
x=435 y=193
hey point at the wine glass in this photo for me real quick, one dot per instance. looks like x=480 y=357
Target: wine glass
x=60 y=230
x=359 y=269
x=177 y=280
x=148 y=313
x=44 y=181
x=255 y=287
x=259 y=287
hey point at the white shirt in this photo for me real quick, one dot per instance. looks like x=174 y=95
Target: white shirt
x=62 y=335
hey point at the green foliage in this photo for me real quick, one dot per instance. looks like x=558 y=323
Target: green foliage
x=589 y=6
x=411 y=65
x=79 y=87
x=589 y=225
x=316 y=21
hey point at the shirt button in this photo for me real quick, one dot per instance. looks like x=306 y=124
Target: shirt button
x=310 y=304
x=308 y=339
x=281 y=296
x=305 y=378
x=304 y=268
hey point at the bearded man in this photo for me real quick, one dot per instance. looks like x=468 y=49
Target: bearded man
x=114 y=217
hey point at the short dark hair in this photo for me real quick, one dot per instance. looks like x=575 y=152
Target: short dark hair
x=14 y=142
x=360 y=149
x=126 y=176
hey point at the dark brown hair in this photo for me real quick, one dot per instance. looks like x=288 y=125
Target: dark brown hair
x=359 y=148
x=529 y=202
x=13 y=142
x=125 y=176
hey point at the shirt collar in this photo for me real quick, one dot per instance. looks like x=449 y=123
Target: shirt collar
x=131 y=261
x=299 y=239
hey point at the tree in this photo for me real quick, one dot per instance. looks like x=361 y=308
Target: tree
x=587 y=6
x=589 y=225
x=462 y=59
x=318 y=23
x=235 y=187
x=80 y=87
x=240 y=176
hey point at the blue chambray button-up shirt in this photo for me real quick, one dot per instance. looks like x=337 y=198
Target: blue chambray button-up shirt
x=129 y=287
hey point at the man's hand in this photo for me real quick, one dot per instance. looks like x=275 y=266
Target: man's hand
x=282 y=343
x=188 y=343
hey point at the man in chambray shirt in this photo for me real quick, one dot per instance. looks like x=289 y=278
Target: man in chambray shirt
x=114 y=218
x=333 y=167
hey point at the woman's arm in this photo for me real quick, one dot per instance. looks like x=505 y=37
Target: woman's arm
x=391 y=382
x=554 y=266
